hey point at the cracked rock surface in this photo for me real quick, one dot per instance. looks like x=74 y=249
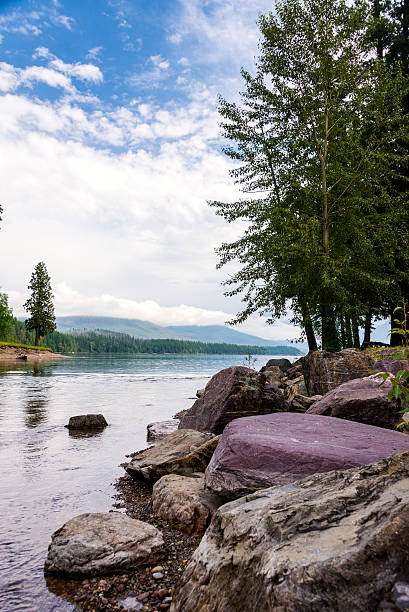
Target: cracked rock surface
x=101 y=543
x=331 y=542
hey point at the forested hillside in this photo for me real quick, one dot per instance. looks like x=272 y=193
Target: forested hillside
x=104 y=341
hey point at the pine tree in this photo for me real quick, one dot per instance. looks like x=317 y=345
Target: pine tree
x=6 y=316
x=40 y=304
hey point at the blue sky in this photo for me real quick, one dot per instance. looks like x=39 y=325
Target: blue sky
x=110 y=149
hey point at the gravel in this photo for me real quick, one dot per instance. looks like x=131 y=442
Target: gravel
x=146 y=589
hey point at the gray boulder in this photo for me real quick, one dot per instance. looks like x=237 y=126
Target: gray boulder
x=331 y=542
x=160 y=429
x=87 y=421
x=283 y=364
x=232 y=393
x=102 y=543
x=184 y=502
x=362 y=400
x=277 y=449
x=181 y=452
x=323 y=371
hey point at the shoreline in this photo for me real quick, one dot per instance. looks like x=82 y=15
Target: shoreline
x=20 y=353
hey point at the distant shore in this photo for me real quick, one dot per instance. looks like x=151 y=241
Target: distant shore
x=21 y=353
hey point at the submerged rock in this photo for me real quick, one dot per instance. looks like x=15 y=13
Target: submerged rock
x=184 y=502
x=87 y=421
x=331 y=542
x=181 y=452
x=276 y=449
x=232 y=393
x=102 y=543
x=160 y=429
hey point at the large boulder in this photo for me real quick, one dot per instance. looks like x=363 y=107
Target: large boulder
x=184 y=502
x=323 y=371
x=181 y=452
x=160 y=429
x=362 y=400
x=331 y=542
x=232 y=393
x=102 y=543
x=277 y=449
x=283 y=364
x=87 y=421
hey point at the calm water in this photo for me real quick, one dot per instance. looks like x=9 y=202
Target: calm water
x=49 y=475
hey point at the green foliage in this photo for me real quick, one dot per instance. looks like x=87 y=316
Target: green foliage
x=40 y=304
x=27 y=346
x=101 y=341
x=400 y=382
x=312 y=140
x=6 y=315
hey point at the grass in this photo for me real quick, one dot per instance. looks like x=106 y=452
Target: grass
x=26 y=346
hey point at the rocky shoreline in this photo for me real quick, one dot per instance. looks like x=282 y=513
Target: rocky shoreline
x=21 y=353
x=285 y=489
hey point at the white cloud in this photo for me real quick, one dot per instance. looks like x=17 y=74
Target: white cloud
x=84 y=72
x=94 y=53
x=159 y=62
x=68 y=301
x=175 y=38
x=63 y=20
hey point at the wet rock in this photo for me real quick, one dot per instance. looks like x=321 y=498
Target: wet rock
x=181 y=452
x=331 y=542
x=87 y=421
x=232 y=393
x=160 y=429
x=283 y=364
x=324 y=371
x=276 y=449
x=362 y=400
x=184 y=502
x=102 y=543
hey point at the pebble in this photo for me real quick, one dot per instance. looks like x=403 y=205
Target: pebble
x=157 y=575
x=159 y=568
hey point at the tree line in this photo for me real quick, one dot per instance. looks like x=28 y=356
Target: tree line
x=104 y=341
x=320 y=145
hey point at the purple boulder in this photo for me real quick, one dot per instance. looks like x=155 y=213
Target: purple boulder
x=275 y=449
x=232 y=393
x=363 y=400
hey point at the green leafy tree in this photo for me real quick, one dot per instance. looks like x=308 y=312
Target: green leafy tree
x=6 y=316
x=40 y=304
x=309 y=136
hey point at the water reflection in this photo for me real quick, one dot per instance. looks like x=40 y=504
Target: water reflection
x=88 y=433
x=35 y=408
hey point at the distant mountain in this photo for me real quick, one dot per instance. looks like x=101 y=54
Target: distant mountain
x=220 y=333
x=132 y=327
x=148 y=330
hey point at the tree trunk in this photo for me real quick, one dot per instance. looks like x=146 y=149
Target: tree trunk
x=329 y=332
x=37 y=339
x=355 y=333
x=307 y=325
x=348 y=333
x=368 y=328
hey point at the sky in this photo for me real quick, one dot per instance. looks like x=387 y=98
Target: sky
x=110 y=150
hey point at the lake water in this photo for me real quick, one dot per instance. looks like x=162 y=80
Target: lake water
x=49 y=475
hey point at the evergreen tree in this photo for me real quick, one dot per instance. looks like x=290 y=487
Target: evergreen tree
x=6 y=316
x=40 y=304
